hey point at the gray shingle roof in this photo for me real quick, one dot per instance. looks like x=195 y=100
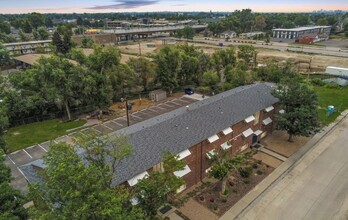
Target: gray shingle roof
x=180 y=129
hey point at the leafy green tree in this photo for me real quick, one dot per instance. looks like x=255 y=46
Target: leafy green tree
x=57 y=42
x=168 y=65
x=75 y=190
x=77 y=55
x=210 y=78
x=4 y=56
x=66 y=44
x=23 y=36
x=26 y=26
x=43 y=33
x=222 y=58
x=104 y=58
x=36 y=20
x=188 y=69
x=153 y=191
x=260 y=22
x=3 y=125
x=11 y=201
x=188 y=32
x=144 y=70
x=4 y=27
x=248 y=54
x=322 y=21
x=223 y=165
x=301 y=109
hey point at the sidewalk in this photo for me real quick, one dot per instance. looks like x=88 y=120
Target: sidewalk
x=280 y=173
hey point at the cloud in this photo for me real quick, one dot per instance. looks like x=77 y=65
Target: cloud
x=126 y=4
x=179 y=5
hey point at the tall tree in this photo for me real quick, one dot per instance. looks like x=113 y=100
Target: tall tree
x=4 y=56
x=57 y=42
x=248 y=54
x=11 y=201
x=301 y=109
x=223 y=58
x=168 y=63
x=153 y=191
x=144 y=69
x=260 y=22
x=74 y=190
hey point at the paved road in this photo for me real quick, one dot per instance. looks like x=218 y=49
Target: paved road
x=331 y=51
x=316 y=188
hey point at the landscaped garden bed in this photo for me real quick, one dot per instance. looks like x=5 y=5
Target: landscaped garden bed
x=240 y=182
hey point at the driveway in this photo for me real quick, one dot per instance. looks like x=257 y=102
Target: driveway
x=316 y=188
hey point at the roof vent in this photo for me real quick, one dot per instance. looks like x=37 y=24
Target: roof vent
x=187 y=128
x=187 y=108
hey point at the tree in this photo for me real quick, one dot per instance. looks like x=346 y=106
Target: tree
x=87 y=42
x=223 y=165
x=322 y=21
x=3 y=125
x=26 y=26
x=66 y=44
x=144 y=69
x=36 y=20
x=11 y=201
x=104 y=58
x=210 y=78
x=188 y=32
x=152 y=192
x=248 y=54
x=57 y=42
x=42 y=33
x=4 y=56
x=260 y=22
x=222 y=58
x=301 y=109
x=168 y=63
x=23 y=36
x=74 y=190
x=4 y=27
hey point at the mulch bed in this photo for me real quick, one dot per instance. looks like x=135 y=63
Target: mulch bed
x=237 y=187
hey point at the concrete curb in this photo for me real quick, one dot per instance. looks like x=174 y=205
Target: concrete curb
x=237 y=211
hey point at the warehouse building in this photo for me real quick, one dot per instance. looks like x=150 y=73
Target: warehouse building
x=20 y=48
x=301 y=32
x=233 y=120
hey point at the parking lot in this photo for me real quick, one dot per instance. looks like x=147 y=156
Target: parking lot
x=21 y=157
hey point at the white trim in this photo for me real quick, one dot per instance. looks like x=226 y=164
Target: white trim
x=134 y=180
x=183 y=172
x=184 y=154
x=227 y=131
x=281 y=111
x=212 y=152
x=249 y=119
x=268 y=109
x=226 y=146
x=213 y=138
x=247 y=132
x=258 y=132
x=267 y=121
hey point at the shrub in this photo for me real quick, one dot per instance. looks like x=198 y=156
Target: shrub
x=226 y=192
x=235 y=191
x=223 y=200
x=231 y=183
x=259 y=172
x=332 y=86
x=245 y=172
x=259 y=162
x=201 y=198
x=211 y=200
x=215 y=207
x=246 y=181
x=255 y=166
x=317 y=82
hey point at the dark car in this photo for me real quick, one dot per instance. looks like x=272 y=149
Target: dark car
x=189 y=91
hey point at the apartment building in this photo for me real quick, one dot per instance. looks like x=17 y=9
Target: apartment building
x=21 y=48
x=233 y=120
x=300 y=32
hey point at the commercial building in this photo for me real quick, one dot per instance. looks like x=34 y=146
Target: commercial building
x=233 y=120
x=228 y=34
x=301 y=32
x=20 y=48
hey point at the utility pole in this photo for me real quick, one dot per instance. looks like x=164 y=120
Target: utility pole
x=127 y=112
x=139 y=48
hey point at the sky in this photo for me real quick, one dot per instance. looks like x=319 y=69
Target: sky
x=99 y=6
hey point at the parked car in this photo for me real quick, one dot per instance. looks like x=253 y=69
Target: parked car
x=189 y=91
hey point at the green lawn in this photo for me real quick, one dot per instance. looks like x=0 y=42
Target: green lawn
x=338 y=36
x=27 y=135
x=331 y=96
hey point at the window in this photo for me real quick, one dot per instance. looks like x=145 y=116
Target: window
x=257 y=117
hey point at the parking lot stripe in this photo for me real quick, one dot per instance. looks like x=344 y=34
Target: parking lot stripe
x=124 y=118
x=55 y=141
x=117 y=123
x=107 y=127
x=150 y=109
x=175 y=103
x=96 y=130
x=42 y=147
x=27 y=153
x=158 y=106
x=11 y=159
x=136 y=117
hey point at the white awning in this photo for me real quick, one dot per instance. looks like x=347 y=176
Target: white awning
x=212 y=152
x=134 y=201
x=267 y=121
x=183 y=172
x=258 y=132
x=247 y=132
x=281 y=111
x=249 y=119
x=213 y=138
x=268 y=109
x=227 y=131
x=226 y=146
x=138 y=177
x=184 y=154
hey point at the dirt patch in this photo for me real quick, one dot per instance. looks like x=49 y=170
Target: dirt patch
x=267 y=159
x=16 y=133
x=278 y=142
x=237 y=187
x=146 y=47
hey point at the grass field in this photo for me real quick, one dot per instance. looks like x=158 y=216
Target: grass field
x=27 y=135
x=338 y=36
x=330 y=96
